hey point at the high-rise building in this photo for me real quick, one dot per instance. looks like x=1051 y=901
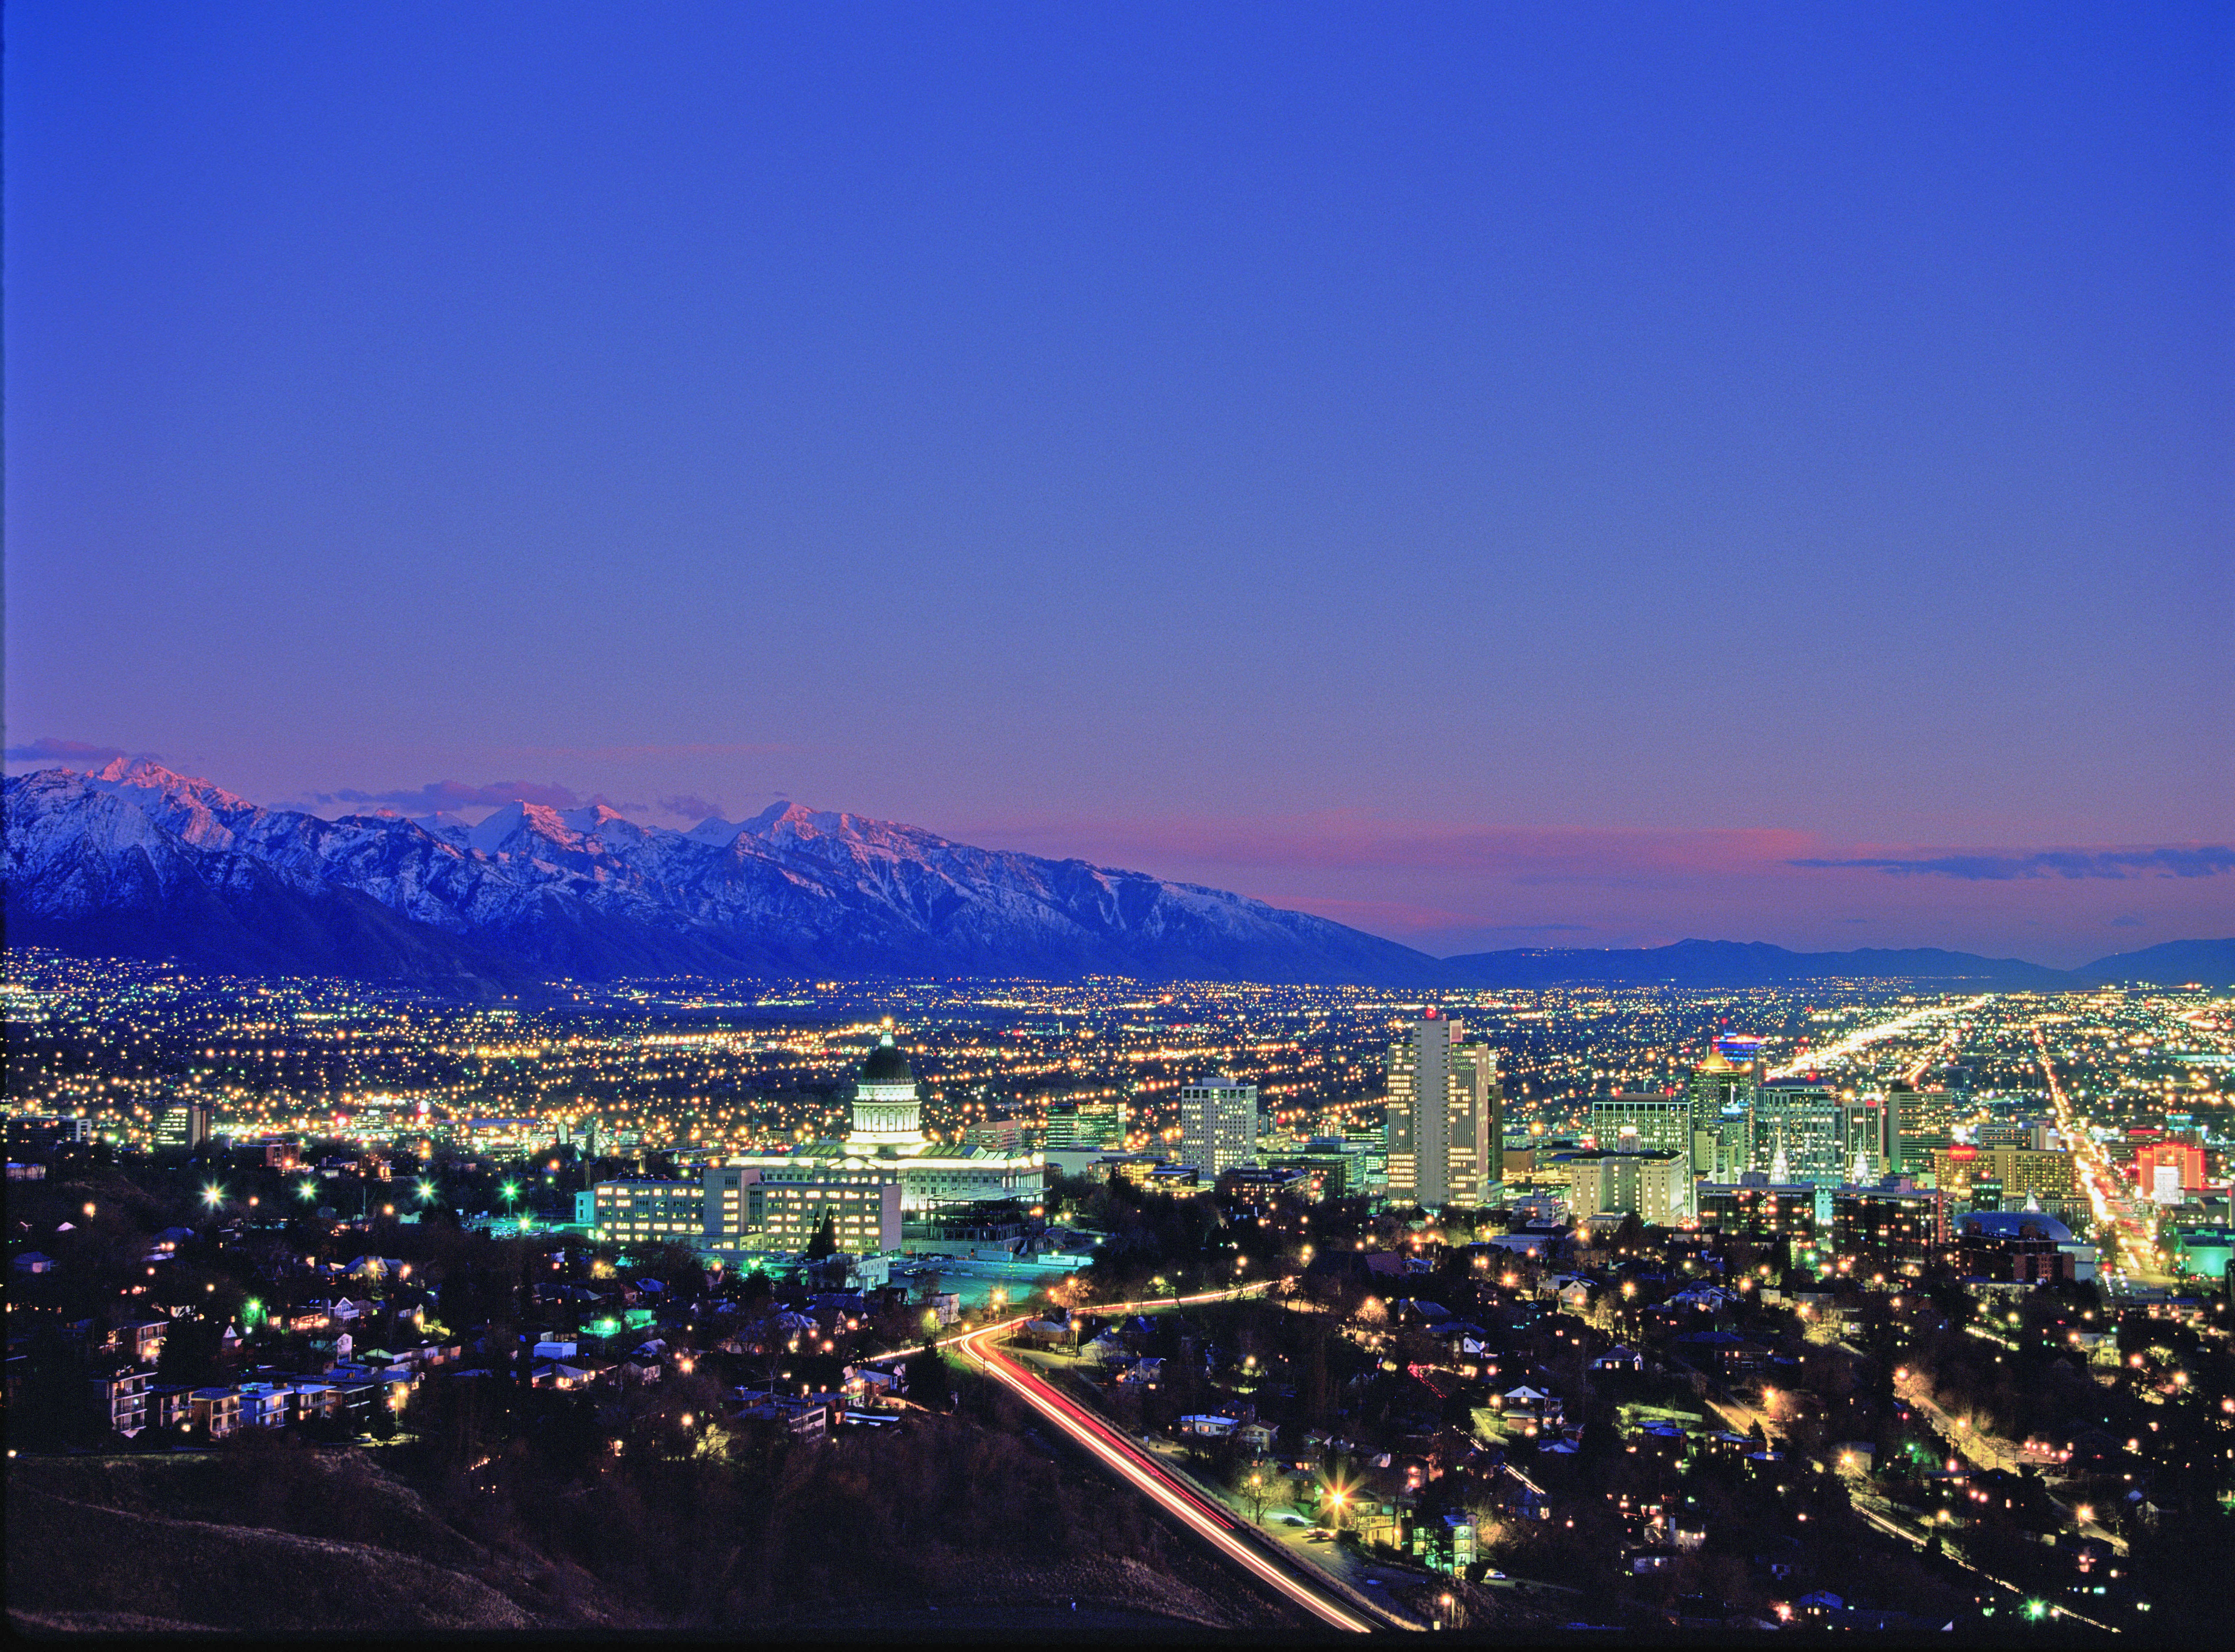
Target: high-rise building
x=1863 y=1132
x=1922 y=1123
x=1654 y=1184
x=1718 y=1086
x=1445 y=1131
x=1797 y=1133
x=1732 y=1142
x=1218 y=1126
x=1002 y=1135
x=1637 y=1124
x=2183 y=1159
x=1992 y=1178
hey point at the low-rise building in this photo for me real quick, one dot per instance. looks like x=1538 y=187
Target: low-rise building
x=122 y=1398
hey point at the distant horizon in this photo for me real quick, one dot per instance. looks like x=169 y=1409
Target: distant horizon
x=1569 y=937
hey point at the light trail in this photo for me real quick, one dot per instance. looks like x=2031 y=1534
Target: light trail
x=1845 y=1049
x=2132 y=1243
x=1918 y=1068
x=1212 y=1524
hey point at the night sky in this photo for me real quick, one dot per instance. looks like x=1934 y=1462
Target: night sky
x=1497 y=476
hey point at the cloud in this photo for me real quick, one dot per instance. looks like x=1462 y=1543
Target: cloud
x=68 y=752
x=1348 y=841
x=453 y=793
x=2191 y=861
x=690 y=806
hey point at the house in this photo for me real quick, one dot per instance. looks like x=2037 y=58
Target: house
x=867 y=1385
x=1619 y=1358
x=1146 y=1372
x=1414 y=1310
x=804 y=1416
x=1466 y=1340
x=1208 y=1426
x=34 y=1261
x=1531 y=1404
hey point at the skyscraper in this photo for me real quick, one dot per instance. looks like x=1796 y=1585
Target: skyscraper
x=1444 y=1123
x=1799 y=1133
x=1218 y=1126
x=1718 y=1084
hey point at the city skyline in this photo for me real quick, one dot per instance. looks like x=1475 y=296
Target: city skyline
x=1485 y=479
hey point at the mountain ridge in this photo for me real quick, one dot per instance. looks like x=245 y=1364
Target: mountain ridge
x=134 y=860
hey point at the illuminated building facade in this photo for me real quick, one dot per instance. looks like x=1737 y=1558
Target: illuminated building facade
x=1632 y=1124
x=1653 y=1185
x=886 y=1142
x=2012 y=1173
x=1800 y=1134
x=1443 y=1120
x=1218 y=1126
x=1719 y=1088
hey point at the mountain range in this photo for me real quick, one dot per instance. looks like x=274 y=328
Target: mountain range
x=134 y=861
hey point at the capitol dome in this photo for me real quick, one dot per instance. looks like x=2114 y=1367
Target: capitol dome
x=887 y=1112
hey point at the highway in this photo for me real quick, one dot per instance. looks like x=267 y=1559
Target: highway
x=1204 y=1518
x=2127 y=1238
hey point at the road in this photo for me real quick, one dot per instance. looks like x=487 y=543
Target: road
x=2126 y=1234
x=1204 y=1518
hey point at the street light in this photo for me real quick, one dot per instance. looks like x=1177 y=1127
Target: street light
x=213 y=1196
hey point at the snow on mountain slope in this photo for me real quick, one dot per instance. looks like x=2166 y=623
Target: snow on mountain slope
x=163 y=861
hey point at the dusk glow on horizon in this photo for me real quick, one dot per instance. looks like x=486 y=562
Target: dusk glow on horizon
x=1561 y=477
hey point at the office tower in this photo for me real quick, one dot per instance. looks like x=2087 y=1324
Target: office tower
x=1923 y=1123
x=1797 y=1133
x=1002 y=1135
x=1733 y=1142
x=1085 y=1126
x=1445 y=1117
x=1218 y=1126
x=1477 y=1130
x=1991 y=1178
x=1653 y=1185
x=1639 y=1123
x=184 y=1123
x=1718 y=1084
x=1863 y=1131
x=2183 y=1159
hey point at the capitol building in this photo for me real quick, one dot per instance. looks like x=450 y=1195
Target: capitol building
x=887 y=1145
x=882 y=1188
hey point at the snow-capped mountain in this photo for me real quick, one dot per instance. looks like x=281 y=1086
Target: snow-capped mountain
x=134 y=860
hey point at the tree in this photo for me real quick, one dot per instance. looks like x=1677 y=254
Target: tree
x=825 y=1243
x=930 y=1379
x=190 y=1351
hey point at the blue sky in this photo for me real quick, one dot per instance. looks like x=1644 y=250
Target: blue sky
x=1656 y=448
